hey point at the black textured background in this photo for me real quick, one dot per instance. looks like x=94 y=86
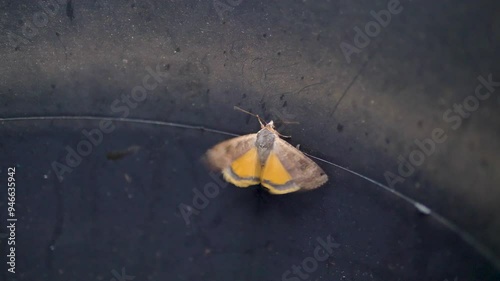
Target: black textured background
x=280 y=59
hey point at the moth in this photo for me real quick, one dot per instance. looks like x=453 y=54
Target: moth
x=264 y=158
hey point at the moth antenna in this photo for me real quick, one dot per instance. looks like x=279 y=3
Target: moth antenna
x=283 y=136
x=261 y=121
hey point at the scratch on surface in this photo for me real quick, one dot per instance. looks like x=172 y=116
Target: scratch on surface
x=354 y=79
x=267 y=70
x=308 y=86
x=58 y=35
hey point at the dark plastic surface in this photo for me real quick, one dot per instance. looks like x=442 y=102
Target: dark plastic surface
x=118 y=210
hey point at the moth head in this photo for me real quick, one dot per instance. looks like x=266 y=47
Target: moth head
x=270 y=127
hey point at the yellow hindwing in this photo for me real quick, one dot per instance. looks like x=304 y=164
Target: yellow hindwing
x=245 y=170
x=276 y=178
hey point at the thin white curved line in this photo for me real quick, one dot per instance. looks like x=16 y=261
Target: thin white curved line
x=468 y=238
x=118 y=119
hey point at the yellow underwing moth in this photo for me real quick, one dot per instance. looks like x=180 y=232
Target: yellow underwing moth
x=267 y=159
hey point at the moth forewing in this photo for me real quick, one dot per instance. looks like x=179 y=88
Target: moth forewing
x=223 y=154
x=304 y=171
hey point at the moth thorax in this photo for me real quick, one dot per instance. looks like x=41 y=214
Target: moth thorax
x=264 y=144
